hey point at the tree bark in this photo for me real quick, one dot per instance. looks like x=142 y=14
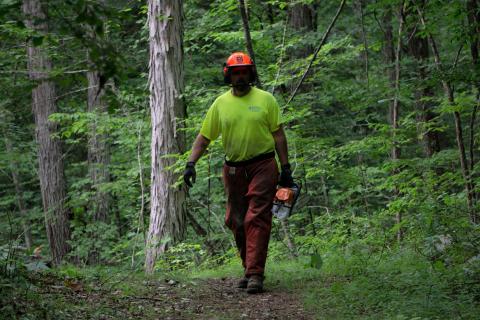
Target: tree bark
x=301 y=20
x=389 y=54
x=317 y=50
x=167 y=216
x=392 y=58
x=417 y=48
x=248 y=39
x=19 y=194
x=52 y=182
x=396 y=108
x=98 y=147
x=302 y=17
x=396 y=85
x=197 y=227
x=98 y=157
x=98 y=150
x=365 y=42
x=473 y=15
x=447 y=88
x=292 y=249
x=270 y=13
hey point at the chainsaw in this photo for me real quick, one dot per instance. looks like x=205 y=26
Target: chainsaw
x=285 y=200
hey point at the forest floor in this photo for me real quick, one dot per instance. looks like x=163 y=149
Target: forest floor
x=398 y=285
x=138 y=297
x=169 y=299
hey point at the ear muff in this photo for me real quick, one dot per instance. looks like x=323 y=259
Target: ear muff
x=226 y=74
x=253 y=77
x=228 y=79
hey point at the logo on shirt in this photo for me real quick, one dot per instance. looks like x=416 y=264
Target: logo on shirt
x=254 y=109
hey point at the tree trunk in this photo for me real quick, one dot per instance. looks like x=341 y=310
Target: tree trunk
x=197 y=227
x=98 y=150
x=473 y=14
x=292 y=249
x=302 y=17
x=167 y=217
x=52 y=182
x=19 y=194
x=447 y=88
x=246 y=31
x=317 y=50
x=392 y=58
x=365 y=42
x=301 y=21
x=418 y=49
x=270 y=13
x=396 y=108
x=474 y=31
x=98 y=158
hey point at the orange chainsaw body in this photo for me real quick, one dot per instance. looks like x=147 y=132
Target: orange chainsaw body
x=284 y=201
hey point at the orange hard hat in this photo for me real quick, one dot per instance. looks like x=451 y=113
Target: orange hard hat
x=238 y=59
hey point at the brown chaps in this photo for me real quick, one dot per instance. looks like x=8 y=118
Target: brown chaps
x=250 y=190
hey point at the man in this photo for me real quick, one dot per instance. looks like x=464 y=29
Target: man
x=248 y=119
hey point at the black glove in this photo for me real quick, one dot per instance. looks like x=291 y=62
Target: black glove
x=189 y=173
x=286 y=179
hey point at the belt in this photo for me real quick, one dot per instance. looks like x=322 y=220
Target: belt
x=263 y=156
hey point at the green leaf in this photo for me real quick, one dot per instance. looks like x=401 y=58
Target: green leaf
x=37 y=40
x=316 y=261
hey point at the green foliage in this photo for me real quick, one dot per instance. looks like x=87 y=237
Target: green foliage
x=397 y=286
x=95 y=238
x=345 y=226
x=183 y=256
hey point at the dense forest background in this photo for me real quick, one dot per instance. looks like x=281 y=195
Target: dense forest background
x=382 y=136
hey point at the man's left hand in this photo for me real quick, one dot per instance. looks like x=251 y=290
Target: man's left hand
x=286 y=179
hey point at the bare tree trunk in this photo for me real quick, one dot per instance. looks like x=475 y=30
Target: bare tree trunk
x=301 y=21
x=141 y=216
x=302 y=17
x=248 y=39
x=52 y=182
x=474 y=31
x=197 y=227
x=292 y=249
x=270 y=13
x=396 y=85
x=389 y=55
x=98 y=150
x=365 y=42
x=458 y=125
x=392 y=57
x=98 y=156
x=19 y=195
x=418 y=49
x=317 y=50
x=167 y=216
x=473 y=15
x=396 y=108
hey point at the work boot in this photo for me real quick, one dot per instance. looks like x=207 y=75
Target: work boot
x=242 y=283
x=255 y=284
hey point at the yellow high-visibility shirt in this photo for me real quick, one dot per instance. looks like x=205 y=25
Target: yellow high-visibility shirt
x=245 y=123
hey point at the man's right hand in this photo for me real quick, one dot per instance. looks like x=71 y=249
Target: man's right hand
x=189 y=173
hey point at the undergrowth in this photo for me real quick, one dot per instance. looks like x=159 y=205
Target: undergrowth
x=398 y=284
x=394 y=284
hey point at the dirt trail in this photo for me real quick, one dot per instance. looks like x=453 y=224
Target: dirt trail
x=220 y=299
x=168 y=299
